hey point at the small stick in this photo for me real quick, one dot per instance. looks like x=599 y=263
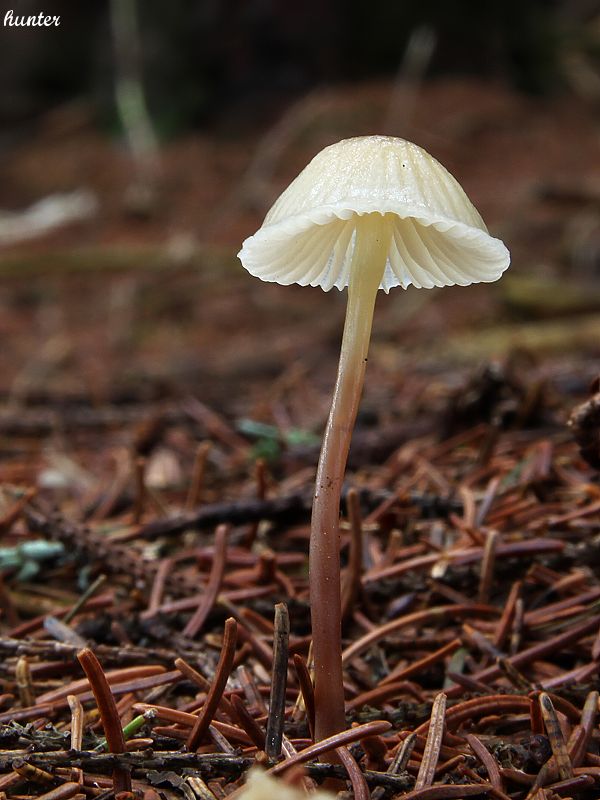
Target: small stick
x=198 y=475
x=331 y=743
x=13 y=513
x=423 y=663
x=260 y=473
x=487 y=759
x=588 y=720
x=63 y=633
x=108 y=714
x=488 y=563
x=77 y=720
x=507 y=617
x=428 y=615
x=198 y=787
x=77 y=716
x=433 y=744
x=213 y=586
x=539 y=650
x=517 y=627
x=351 y=583
x=216 y=425
x=23 y=681
x=253 y=696
x=571 y=785
x=403 y=755
x=556 y=738
x=447 y=792
x=89 y=592
x=360 y=789
x=488 y=499
x=470 y=709
x=7 y=606
x=196 y=677
x=217 y=731
x=480 y=641
x=139 y=467
x=261 y=650
x=469 y=683
x=248 y=723
x=62 y=792
x=31 y=772
x=596 y=647
x=398 y=763
x=113 y=677
x=218 y=685
x=535 y=713
x=165 y=567
x=515 y=676
x=276 y=718
x=307 y=691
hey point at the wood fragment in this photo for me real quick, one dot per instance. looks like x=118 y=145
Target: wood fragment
x=351 y=581
x=276 y=717
x=108 y=714
x=217 y=687
x=433 y=744
x=555 y=736
x=213 y=586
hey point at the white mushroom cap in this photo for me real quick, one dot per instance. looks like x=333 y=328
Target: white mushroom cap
x=438 y=239
x=261 y=786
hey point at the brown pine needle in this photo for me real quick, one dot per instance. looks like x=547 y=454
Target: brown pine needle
x=555 y=737
x=276 y=718
x=433 y=744
x=217 y=687
x=107 y=707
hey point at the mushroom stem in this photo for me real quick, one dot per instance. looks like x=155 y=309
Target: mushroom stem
x=373 y=234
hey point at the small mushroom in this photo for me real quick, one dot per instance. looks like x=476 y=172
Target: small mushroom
x=368 y=213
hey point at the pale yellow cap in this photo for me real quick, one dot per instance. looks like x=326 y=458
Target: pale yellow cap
x=261 y=786
x=439 y=238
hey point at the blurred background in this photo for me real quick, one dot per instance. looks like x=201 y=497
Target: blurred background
x=141 y=142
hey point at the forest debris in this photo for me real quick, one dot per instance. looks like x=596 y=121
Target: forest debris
x=276 y=718
x=47 y=214
x=433 y=744
x=108 y=714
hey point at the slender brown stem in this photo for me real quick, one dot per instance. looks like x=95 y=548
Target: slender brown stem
x=373 y=233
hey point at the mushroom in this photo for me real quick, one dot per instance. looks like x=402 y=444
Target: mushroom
x=367 y=213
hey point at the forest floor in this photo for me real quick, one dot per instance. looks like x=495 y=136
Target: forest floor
x=160 y=420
